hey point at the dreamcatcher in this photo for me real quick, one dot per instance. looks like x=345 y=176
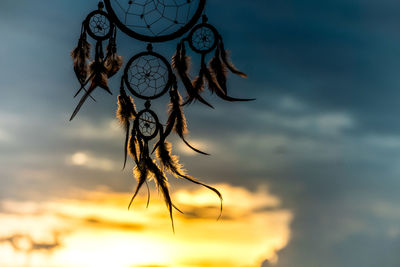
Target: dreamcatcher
x=148 y=76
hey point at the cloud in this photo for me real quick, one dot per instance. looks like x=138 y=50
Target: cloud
x=86 y=130
x=328 y=124
x=97 y=230
x=87 y=160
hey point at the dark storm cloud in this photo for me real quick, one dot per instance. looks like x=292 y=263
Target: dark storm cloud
x=334 y=54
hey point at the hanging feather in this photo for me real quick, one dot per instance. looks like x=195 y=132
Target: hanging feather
x=198 y=82
x=162 y=185
x=141 y=173
x=219 y=70
x=215 y=88
x=181 y=64
x=133 y=147
x=99 y=79
x=227 y=62
x=171 y=163
x=126 y=111
x=80 y=56
x=176 y=120
x=113 y=62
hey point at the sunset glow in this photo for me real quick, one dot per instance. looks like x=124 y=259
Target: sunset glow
x=95 y=229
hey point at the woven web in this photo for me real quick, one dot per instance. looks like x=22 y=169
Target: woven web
x=155 y=17
x=148 y=75
x=203 y=39
x=147 y=124
x=99 y=25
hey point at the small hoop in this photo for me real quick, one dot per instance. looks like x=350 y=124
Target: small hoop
x=99 y=25
x=147 y=124
x=203 y=38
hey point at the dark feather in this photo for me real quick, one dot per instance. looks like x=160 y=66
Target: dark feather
x=127 y=127
x=148 y=195
x=84 y=89
x=99 y=79
x=113 y=64
x=126 y=111
x=162 y=185
x=83 y=99
x=215 y=88
x=180 y=122
x=198 y=83
x=171 y=163
x=126 y=108
x=181 y=64
x=211 y=81
x=133 y=148
x=219 y=70
x=84 y=84
x=177 y=120
x=141 y=173
x=80 y=56
x=228 y=62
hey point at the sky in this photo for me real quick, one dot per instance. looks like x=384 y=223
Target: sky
x=309 y=170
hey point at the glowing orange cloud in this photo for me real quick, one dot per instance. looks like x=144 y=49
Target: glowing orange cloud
x=95 y=229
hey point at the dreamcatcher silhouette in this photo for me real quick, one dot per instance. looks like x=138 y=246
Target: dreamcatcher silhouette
x=148 y=76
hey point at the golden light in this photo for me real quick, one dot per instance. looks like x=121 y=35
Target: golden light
x=79 y=158
x=96 y=229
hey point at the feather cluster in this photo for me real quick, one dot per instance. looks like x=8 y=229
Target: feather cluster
x=80 y=56
x=146 y=169
x=113 y=61
x=100 y=69
x=98 y=78
x=181 y=64
x=216 y=73
x=171 y=163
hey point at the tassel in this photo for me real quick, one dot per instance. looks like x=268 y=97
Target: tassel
x=162 y=185
x=219 y=70
x=171 y=163
x=181 y=63
x=133 y=147
x=198 y=82
x=176 y=120
x=99 y=79
x=140 y=172
x=126 y=112
x=227 y=62
x=113 y=64
x=80 y=56
x=215 y=88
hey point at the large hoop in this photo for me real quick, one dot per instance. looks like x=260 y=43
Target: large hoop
x=170 y=33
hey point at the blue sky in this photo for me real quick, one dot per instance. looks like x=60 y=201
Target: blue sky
x=323 y=135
